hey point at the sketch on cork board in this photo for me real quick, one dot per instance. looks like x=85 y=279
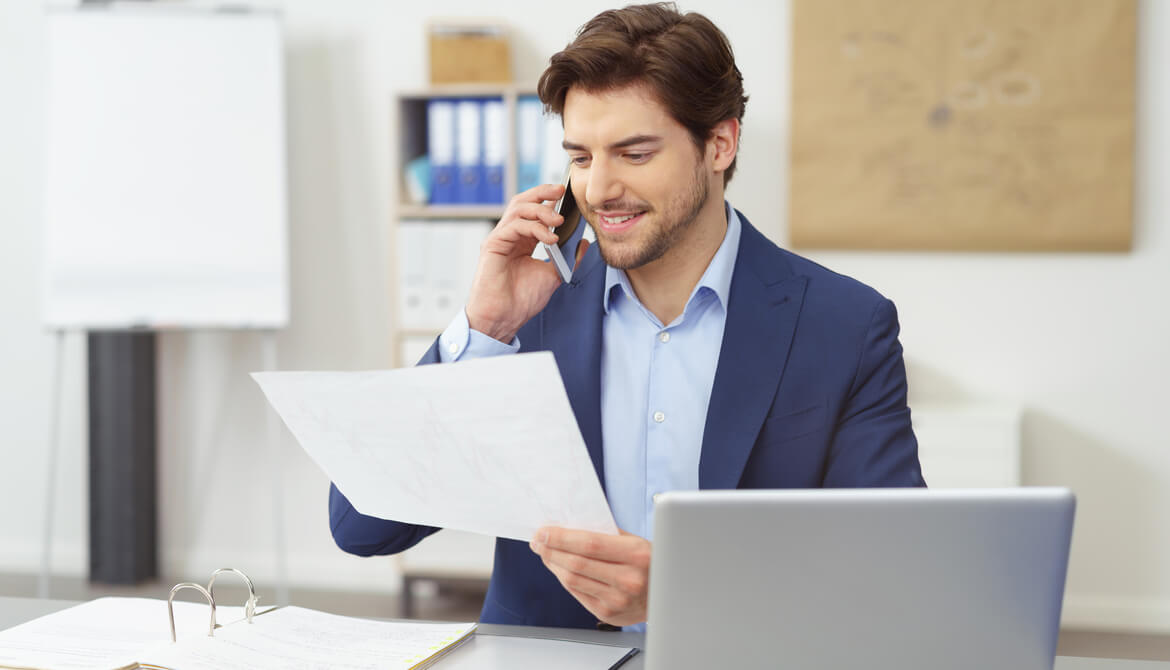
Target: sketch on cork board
x=995 y=125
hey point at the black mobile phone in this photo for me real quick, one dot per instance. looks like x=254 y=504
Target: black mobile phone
x=563 y=257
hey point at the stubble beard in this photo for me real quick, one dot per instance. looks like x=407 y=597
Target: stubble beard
x=677 y=218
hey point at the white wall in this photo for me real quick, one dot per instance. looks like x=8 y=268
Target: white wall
x=1081 y=342
x=1076 y=339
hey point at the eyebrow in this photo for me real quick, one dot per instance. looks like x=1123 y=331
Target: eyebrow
x=620 y=144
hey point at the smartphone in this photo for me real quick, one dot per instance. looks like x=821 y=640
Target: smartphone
x=561 y=255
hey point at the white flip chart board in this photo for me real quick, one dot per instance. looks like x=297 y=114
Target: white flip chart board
x=165 y=202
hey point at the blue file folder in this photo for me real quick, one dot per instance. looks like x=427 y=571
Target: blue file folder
x=441 y=142
x=469 y=150
x=529 y=131
x=495 y=151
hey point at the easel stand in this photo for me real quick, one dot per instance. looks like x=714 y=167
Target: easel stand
x=123 y=490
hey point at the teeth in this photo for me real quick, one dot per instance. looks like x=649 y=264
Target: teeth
x=617 y=220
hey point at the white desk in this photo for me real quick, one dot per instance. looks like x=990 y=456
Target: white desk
x=14 y=611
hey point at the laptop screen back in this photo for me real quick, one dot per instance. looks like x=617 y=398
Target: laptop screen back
x=865 y=578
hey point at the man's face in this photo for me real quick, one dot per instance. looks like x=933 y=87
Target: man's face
x=637 y=175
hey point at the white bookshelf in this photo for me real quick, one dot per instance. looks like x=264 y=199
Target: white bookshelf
x=411 y=121
x=448 y=557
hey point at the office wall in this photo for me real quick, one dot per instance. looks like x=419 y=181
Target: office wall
x=1078 y=340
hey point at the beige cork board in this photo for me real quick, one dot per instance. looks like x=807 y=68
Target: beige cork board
x=963 y=124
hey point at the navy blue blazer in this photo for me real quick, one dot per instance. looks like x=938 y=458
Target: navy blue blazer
x=809 y=392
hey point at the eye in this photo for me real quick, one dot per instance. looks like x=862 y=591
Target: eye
x=579 y=161
x=638 y=157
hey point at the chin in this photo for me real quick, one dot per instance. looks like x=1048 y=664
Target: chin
x=630 y=248
x=626 y=255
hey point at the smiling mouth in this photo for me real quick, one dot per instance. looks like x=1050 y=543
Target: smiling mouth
x=620 y=222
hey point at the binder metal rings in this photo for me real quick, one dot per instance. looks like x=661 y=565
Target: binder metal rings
x=171 y=606
x=249 y=605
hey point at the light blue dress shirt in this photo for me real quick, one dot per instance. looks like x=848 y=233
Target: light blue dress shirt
x=656 y=382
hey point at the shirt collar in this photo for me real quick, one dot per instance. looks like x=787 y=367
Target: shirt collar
x=716 y=278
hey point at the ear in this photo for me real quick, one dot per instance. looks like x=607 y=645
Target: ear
x=724 y=140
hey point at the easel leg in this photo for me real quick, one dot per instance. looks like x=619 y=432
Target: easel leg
x=276 y=470
x=51 y=465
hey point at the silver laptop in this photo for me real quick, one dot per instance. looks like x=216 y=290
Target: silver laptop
x=881 y=579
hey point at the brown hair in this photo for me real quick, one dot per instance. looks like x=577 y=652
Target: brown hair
x=684 y=59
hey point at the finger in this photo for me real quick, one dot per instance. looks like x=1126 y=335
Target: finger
x=523 y=229
x=592 y=603
x=596 y=606
x=611 y=548
x=606 y=603
x=534 y=211
x=540 y=193
x=600 y=571
x=578 y=583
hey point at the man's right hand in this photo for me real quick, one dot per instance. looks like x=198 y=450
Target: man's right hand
x=510 y=286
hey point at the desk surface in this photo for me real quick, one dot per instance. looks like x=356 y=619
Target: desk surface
x=14 y=611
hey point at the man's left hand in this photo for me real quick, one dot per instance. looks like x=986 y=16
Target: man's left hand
x=608 y=574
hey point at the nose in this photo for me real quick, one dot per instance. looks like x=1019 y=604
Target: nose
x=602 y=186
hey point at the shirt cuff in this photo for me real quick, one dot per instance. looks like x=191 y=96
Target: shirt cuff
x=460 y=342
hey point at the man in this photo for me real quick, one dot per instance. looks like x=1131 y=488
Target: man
x=696 y=353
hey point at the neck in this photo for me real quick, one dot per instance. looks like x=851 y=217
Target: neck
x=665 y=285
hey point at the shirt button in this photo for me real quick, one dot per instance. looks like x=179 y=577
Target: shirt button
x=659 y=417
x=453 y=347
x=664 y=337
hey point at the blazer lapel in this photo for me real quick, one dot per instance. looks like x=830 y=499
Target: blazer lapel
x=763 y=305
x=575 y=331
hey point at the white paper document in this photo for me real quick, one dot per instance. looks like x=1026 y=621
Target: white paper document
x=489 y=446
x=121 y=633
x=294 y=638
x=104 y=633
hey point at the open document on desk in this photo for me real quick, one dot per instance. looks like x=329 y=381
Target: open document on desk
x=488 y=446
x=125 y=633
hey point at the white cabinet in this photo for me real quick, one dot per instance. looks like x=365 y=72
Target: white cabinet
x=968 y=445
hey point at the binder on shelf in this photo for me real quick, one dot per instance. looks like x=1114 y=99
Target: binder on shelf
x=445 y=273
x=413 y=276
x=552 y=155
x=495 y=151
x=124 y=633
x=529 y=133
x=471 y=237
x=436 y=265
x=468 y=150
x=441 y=134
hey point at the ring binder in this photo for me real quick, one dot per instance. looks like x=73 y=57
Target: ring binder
x=209 y=593
x=107 y=633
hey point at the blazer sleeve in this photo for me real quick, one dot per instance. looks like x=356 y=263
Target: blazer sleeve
x=357 y=533
x=364 y=535
x=874 y=444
